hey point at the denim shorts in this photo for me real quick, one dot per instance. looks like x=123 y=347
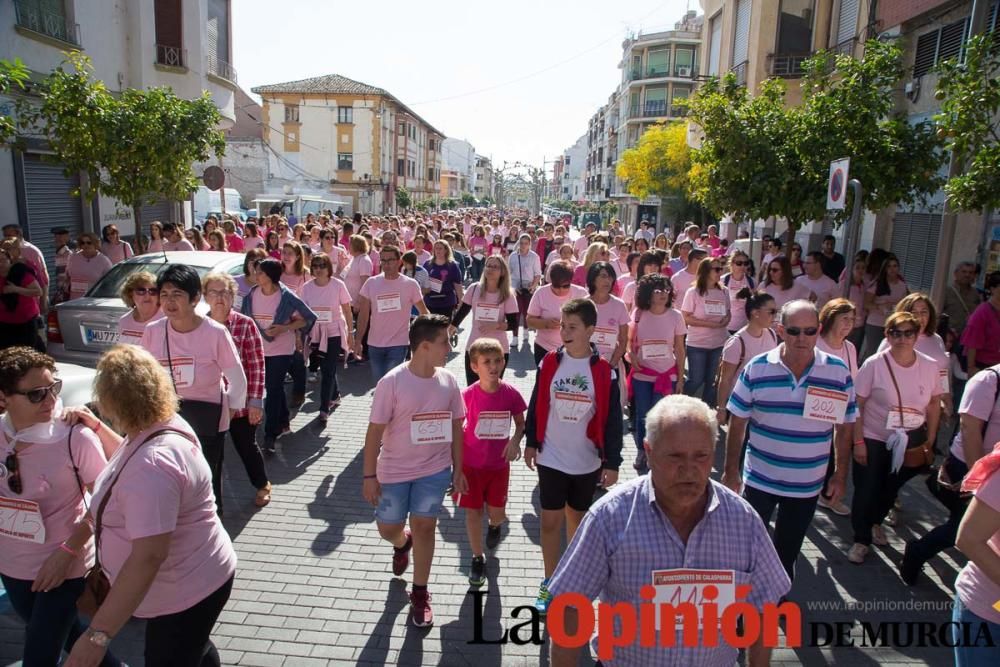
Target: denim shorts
x=423 y=497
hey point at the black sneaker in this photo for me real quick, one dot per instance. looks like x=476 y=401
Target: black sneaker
x=268 y=447
x=493 y=536
x=477 y=571
x=909 y=567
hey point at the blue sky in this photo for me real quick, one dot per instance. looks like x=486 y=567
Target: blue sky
x=518 y=79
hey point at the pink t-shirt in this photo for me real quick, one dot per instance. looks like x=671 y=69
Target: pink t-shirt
x=767 y=341
x=251 y=242
x=823 y=287
x=295 y=282
x=84 y=272
x=234 y=243
x=183 y=244
x=165 y=487
x=975 y=588
x=611 y=316
x=117 y=252
x=47 y=478
x=478 y=244
x=707 y=307
x=486 y=308
x=262 y=310
x=130 y=331
x=155 y=245
x=846 y=353
x=980 y=401
x=654 y=336
x=933 y=347
x=781 y=297
x=628 y=291
x=918 y=385
x=856 y=295
x=488 y=454
x=26 y=306
x=738 y=313
x=885 y=303
x=327 y=302
x=402 y=402
x=390 y=301
x=682 y=281
x=545 y=303
x=358 y=270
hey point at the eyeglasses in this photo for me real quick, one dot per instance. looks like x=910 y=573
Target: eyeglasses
x=799 y=331
x=661 y=291
x=13 y=473
x=740 y=263
x=145 y=291
x=38 y=395
x=217 y=293
x=717 y=269
x=902 y=333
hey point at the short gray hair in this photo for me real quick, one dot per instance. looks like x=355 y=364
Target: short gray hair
x=676 y=408
x=793 y=307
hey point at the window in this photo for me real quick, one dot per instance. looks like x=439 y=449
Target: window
x=400 y=167
x=715 y=45
x=677 y=107
x=413 y=169
x=413 y=132
x=430 y=174
x=345 y=114
x=345 y=161
x=402 y=131
x=684 y=62
x=431 y=144
x=741 y=33
x=636 y=72
x=658 y=62
x=567 y=160
x=795 y=27
x=847 y=22
x=291 y=113
x=939 y=45
x=219 y=56
x=167 y=17
x=47 y=17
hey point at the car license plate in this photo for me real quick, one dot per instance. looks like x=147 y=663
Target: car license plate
x=100 y=336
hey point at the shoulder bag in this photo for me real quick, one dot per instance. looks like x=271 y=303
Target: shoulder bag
x=918 y=454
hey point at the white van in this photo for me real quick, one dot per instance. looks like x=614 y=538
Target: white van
x=208 y=201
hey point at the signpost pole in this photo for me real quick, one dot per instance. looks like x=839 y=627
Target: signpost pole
x=852 y=235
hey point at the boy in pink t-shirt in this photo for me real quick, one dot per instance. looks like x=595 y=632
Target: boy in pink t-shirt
x=413 y=453
x=490 y=405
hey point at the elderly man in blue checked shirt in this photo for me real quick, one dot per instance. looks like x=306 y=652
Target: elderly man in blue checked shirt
x=796 y=399
x=674 y=518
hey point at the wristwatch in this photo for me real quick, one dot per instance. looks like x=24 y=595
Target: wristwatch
x=98 y=638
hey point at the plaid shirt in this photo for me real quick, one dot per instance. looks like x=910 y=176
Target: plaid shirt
x=250 y=346
x=625 y=537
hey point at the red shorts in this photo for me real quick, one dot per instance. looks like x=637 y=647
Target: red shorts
x=485 y=486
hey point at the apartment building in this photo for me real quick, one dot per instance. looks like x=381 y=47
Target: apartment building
x=348 y=138
x=483 y=185
x=459 y=156
x=183 y=44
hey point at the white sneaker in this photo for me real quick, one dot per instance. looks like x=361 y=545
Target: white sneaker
x=838 y=507
x=857 y=553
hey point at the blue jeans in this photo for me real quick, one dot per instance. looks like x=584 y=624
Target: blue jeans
x=645 y=398
x=974 y=656
x=702 y=364
x=52 y=621
x=276 y=414
x=328 y=387
x=384 y=359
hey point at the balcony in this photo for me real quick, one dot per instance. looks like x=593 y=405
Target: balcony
x=32 y=17
x=651 y=109
x=846 y=47
x=220 y=68
x=787 y=65
x=740 y=71
x=171 y=56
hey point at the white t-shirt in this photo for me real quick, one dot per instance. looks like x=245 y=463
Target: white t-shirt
x=524 y=269
x=567 y=447
x=767 y=341
x=823 y=287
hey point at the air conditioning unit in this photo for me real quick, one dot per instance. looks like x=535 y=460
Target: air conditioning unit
x=684 y=71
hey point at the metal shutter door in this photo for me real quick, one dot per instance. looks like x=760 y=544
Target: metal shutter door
x=160 y=210
x=915 y=242
x=715 y=46
x=847 y=25
x=741 y=39
x=50 y=204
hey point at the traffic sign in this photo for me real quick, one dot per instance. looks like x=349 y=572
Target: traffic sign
x=837 y=187
x=214 y=178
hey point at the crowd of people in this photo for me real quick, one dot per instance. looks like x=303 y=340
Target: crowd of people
x=818 y=371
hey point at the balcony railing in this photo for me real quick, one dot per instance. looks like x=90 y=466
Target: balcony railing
x=649 y=109
x=740 y=71
x=220 y=68
x=846 y=47
x=787 y=64
x=172 y=56
x=32 y=16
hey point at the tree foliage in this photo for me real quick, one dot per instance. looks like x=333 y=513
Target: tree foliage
x=468 y=199
x=13 y=76
x=659 y=163
x=969 y=123
x=403 y=199
x=135 y=147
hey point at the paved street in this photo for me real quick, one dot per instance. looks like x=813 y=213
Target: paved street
x=314 y=585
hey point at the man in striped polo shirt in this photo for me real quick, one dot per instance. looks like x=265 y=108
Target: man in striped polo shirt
x=796 y=399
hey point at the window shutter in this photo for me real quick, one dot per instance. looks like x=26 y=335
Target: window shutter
x=715 y=46
x=167 y=16
x=915 y=242
x=847 y=24
x=926 y=53
x=952 y=39
x=741 y=43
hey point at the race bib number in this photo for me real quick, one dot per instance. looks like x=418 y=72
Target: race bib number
x=263 y=321
x=130 y=336
x=943 y=381
x=323 y=314
x=487 y=313
x=825 y=405
x=496 y=251
x=604 y=337
x=478 y=255
x=430 y=428
x=493 y=425
x=911 y=419
x=679 y=586
x=653 y=350
x=21 y=520
x=388 y=303
x=715 y=308
x=572 y=408
x=435 y=285
x=79 y=287
x=182 y=369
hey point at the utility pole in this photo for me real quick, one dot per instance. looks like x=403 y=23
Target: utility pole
x=949 y=221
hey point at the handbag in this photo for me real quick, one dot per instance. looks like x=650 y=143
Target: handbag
x=918 y=454
x=203 y=416
x=96 y=584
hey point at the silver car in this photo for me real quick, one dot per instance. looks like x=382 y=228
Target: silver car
x=81 y=329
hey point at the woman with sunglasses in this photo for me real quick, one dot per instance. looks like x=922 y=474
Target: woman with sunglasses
x=753 y=338
x=900 y=403
x=795 y=261
x=706 y=311
x=86 y=266
x=544 y=310
x=339 y=257
x=143 y=299
x=48 y=465
x=781 y=284
x=611 y=333
x=329 y=299
x=113 y=247
x=881 y=298
x=596 y=252
x=494 y=311
x=284 y=236
x=656 y=350
x=738 y=279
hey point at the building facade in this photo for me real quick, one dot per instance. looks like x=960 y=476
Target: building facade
x=484 y=185
x=459 y=156
x=183 y=44
x=336 y=135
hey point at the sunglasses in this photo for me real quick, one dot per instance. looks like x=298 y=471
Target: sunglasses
x=741 y=263
x=896 y=334
x=799 y=331
x=13 y=473
x=717 y=269
x=38 y=395
x=85 y=243
x=145 y=291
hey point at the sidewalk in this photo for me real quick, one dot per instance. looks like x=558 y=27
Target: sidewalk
x=314 y=585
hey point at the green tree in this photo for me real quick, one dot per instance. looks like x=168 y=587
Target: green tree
x=135 y=147
x=486 y=201
x=468 y=199
x=969 y=123
x=403 y=199
x=13 y=75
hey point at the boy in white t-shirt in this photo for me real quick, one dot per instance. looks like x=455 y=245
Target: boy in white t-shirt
x=413 y=453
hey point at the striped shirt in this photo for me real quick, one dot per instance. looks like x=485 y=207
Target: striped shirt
x=787 y=454
x=625 y=536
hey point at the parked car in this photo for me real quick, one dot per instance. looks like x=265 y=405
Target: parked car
x=81 y=329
